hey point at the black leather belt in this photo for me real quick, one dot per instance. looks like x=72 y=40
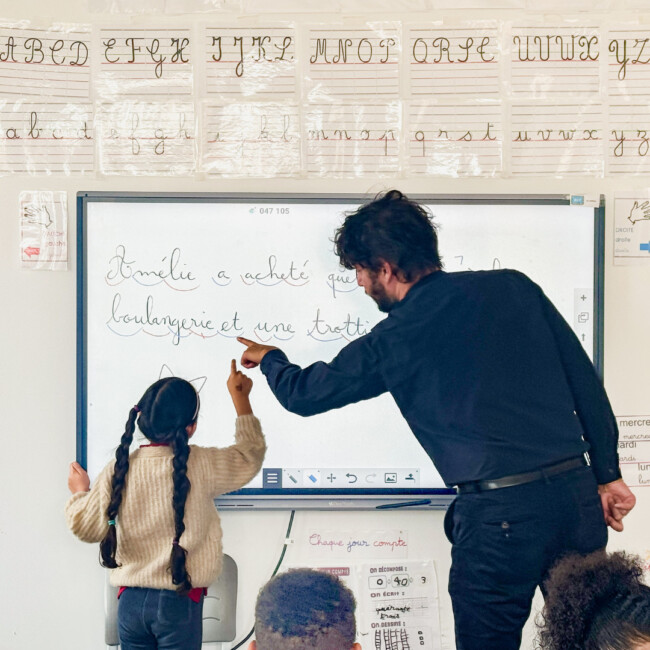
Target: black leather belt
x=520 y=479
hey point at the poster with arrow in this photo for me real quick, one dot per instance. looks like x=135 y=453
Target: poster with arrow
x=44 y=230
x=632 y=228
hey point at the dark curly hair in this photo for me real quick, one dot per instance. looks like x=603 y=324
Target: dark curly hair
x=305 y=609
x=595 y=602
x=389 y=229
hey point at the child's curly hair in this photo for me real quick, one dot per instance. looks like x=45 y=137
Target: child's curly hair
x=595 y=602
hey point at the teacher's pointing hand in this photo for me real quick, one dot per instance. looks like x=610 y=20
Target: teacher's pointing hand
x=254 y=352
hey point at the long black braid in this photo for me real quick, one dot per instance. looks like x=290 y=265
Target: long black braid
x=166 y=409
x=178 y=555
x=108 y=545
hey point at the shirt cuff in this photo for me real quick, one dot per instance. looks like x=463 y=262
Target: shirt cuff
x=270 y=357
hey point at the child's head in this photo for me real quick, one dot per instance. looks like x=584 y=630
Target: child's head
x=596 y=602
x=168 y=408
x=305 y=609
x=166 y=414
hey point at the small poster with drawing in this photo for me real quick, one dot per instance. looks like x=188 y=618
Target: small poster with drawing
x=44 y=230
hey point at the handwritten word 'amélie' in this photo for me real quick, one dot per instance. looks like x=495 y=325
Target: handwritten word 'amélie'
x=121 y=269
x=263 y=48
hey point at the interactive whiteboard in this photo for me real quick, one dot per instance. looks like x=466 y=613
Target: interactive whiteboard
x=166 y=283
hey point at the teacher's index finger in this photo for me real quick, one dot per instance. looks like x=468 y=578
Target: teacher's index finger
x=246 y=342
x=233 y=367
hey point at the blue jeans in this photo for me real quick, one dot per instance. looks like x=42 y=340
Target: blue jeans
x=159 y=619
x=503 y=544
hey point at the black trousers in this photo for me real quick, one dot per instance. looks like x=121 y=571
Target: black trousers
x=503 y=544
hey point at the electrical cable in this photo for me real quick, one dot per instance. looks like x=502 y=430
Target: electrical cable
x=277 y=567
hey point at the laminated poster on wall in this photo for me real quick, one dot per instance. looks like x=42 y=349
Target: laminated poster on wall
x=556 y=60
x=146 y=138
x=257 y=62
x=251 y=140
x=45 y=63
x=353 y=63
x=144 y=61
x=397 y=601
x=44 y=230
x=46 y=137
x=628 y=99
x=460 y=139
x=632 y=228
x=398 y=607
x=634 y=449
x=557 y=138
x=347 y=140
x=448 y=63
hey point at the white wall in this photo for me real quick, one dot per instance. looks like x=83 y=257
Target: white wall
x=51 y=589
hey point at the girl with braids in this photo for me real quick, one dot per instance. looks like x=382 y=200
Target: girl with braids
x=153 y=511
x=596 y=602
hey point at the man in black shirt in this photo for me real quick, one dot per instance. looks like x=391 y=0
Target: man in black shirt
x=499 y=392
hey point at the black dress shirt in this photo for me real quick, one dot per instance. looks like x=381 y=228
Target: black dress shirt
x=489 y=376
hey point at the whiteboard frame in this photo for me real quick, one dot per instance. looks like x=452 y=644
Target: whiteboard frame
x=319 y=498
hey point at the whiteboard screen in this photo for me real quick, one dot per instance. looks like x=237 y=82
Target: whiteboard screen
x=172 y=280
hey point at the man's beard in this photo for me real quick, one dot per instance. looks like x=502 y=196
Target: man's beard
x=378 y=293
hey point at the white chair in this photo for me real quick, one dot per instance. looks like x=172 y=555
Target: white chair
x=219 y=610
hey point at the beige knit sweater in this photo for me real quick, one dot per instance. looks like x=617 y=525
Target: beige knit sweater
x=145 y=523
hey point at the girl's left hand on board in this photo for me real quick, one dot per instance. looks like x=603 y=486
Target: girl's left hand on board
x=78 y=480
